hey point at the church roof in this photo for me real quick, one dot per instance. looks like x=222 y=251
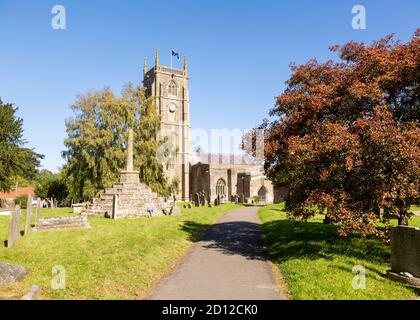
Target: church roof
x=221 y=158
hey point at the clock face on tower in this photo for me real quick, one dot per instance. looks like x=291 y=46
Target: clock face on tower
x=172 y=107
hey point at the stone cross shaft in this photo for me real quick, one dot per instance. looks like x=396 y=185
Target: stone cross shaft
x=130 y=151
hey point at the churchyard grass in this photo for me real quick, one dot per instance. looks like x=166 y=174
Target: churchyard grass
x=317 y=264
x=114 y=259
x=415 y=208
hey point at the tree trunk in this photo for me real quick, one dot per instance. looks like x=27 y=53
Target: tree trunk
x=403 y=216
x=403 y=220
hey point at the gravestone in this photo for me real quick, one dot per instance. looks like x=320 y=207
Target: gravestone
x=405 y=255
x=14 y=228
x=217 y=201
x=115 y=206
x=17 y=226
x=62 y=223
x=38 y=211
x=78 y=207
x=202 y=199
x=196 y=200
x=28 y=216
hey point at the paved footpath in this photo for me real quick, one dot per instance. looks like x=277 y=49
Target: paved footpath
x=229 y=263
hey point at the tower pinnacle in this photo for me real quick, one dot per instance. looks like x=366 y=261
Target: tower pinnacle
x=185 y=65
x=144 y=67
x=157 y=57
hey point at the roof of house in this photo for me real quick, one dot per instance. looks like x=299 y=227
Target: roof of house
x=20 y=192
x=221 y=158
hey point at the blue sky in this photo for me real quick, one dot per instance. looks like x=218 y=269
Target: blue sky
x=238 y=51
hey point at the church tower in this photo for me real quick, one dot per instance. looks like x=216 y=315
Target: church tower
x=169 y=86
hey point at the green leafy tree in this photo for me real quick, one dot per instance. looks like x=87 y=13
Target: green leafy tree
x=51 y=185
x=151 y=147
x=97 y=141
x=15 y=160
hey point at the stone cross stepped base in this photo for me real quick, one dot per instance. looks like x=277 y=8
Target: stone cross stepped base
x=133 y=200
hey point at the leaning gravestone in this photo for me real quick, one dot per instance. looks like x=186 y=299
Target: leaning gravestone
x=10 y=273
x=28 y=216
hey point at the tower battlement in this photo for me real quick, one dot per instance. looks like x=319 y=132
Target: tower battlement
x=169 y=87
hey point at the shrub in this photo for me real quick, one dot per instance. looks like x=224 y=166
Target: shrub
x=257 y=199
x=22 y=201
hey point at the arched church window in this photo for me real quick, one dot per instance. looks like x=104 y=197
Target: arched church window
x=220 y=187
x=172 y=88
x=262 y=193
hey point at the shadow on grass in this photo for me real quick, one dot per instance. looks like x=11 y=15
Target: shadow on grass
x=291 y=240
x=231 y=238
x=287 y=240
x=312 y=240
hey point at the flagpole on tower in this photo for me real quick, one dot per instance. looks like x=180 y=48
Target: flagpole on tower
x=171 y=57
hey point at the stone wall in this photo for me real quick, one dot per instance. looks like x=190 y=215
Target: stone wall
x=60 y=223
x=405 y=250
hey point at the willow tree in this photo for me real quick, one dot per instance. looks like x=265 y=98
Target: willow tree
x=97 y=138
x=150 y=148
x=15 y=160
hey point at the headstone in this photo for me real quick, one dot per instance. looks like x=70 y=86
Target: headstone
x=17 y=226
x=115 y=206
x=14 y=230
x=405 y=255
x=28 y=216
x=202 y=199
x=38 y=211
x=196 y=200
x=175 y=210
x=62 y=223
x=189 y=206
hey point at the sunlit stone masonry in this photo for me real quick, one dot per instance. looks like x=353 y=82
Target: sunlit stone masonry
x=130 y=198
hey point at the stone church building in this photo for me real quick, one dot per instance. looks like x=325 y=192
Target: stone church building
x=216 y=175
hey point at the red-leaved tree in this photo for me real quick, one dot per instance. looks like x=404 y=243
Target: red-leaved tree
x=346 y=135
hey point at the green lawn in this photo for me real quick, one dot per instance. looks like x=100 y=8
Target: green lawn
x=115 y=259
x=317 y=264
x=415 y=208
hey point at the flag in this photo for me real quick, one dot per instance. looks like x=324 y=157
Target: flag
x=175 y=54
